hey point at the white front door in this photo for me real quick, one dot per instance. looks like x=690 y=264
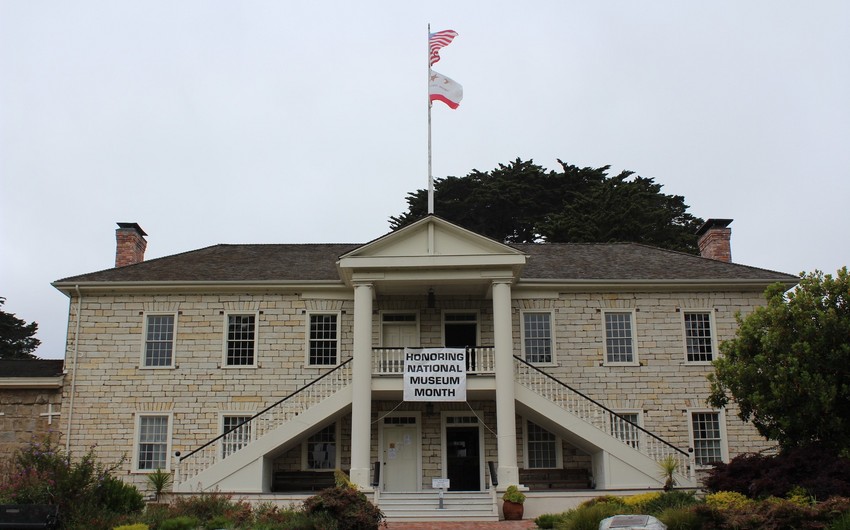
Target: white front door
x=400 y=454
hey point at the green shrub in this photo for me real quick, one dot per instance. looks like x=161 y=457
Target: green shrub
x=588 y=517
x=669 y=499
x=85 y=490
x=118 y=497
x=219 y=521
x=680 y=519
x=183 y=522
x=204 y=506
x=347 y=506
x=841 y=523
x=548 y=520
x=137 y=526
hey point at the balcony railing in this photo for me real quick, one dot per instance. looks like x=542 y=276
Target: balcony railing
x=390 y=361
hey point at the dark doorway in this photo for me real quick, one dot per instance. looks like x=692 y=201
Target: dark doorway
x=463 y=459
x=461 y=331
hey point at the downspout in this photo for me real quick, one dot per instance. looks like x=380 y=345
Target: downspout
x=74 y=369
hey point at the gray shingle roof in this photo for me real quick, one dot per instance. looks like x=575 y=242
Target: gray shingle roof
x=31 y=367
x=317 y=262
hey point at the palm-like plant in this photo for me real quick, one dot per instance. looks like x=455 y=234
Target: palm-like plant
x=160 y=481
x=669 y=465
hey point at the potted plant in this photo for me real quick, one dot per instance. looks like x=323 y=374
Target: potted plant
x=512 y=506
x=161 y=481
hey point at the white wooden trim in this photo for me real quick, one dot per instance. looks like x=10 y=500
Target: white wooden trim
x=226 y=324
x=721 y=420
x=635 y=359
x=711 y=322
x=137 y=433
x=481 y=448
x=143 y=353
x=396 y=414
x=552 y=338
x=307 y=315
x=337 y=457
x=559 y=447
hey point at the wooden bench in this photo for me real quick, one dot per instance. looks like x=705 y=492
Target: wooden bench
x=554 y=479
x=28 y=516
x=291 y=481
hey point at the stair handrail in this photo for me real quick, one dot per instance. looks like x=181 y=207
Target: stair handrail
x=273 y=405
x=598 y=404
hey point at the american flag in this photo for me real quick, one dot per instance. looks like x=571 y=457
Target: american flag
x=438 y=40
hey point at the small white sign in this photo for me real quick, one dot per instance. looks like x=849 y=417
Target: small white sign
x=440 y=483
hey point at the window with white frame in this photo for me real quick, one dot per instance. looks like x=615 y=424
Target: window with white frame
x=624 y=427
x=152 y=442
x=537 y=337
x=241 y=340
x=619 y=337
x=159 y=341
x=324 y=339
x=707 y=437
x=322 y=449
x=698 y=340
x=541 y=447
x=238 y=435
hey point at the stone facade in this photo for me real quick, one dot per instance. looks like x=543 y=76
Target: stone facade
x=30 y=403
x=112 y=388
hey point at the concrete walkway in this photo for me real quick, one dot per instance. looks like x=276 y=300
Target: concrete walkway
x=468 y=525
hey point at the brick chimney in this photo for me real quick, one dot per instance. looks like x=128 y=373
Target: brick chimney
x=714 y=236
x=130 y=244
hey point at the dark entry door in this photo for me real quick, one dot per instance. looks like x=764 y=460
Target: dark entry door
x=461 y=331
x=463 y=459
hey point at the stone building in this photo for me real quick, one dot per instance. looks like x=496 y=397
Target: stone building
x=30 y=402
x=267 y=366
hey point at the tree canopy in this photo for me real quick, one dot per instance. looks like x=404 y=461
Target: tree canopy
x=521 y=202
x=17 y=339
x=788 y=367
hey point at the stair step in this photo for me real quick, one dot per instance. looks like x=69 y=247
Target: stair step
x=424 y=506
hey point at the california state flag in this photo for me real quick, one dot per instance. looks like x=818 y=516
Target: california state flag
x=441 y=88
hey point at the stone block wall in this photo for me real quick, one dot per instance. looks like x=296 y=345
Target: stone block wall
x=28 y=415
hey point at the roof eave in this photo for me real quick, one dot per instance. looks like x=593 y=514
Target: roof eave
x=748 y=284
x=194 y=286
x=31 y=382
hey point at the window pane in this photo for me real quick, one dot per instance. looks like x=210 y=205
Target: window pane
x=707 y=448
x=238 y=438
x=542 y=447
x=159 y=340
x=625 y=431
x=321 y=449
x=323 y=339
x=698 y=336
x=153 y=442
x=618 y=337
x=240 y=340
x=538 y=337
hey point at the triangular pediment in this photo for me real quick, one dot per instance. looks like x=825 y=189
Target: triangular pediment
x=432 y=243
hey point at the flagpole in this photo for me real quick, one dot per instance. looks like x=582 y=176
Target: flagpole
x=428 y=99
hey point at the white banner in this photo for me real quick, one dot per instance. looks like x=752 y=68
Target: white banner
x=434 y=374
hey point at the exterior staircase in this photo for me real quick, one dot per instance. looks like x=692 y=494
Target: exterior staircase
x=244 y=468
x=591 y=426
x=425 y=506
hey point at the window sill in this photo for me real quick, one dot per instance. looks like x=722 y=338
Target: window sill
x=174 y=367
x=629 y=364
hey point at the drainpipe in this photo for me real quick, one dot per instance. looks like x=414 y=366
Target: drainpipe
x=74 y=368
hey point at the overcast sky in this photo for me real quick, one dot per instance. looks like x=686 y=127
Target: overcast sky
x=283 y=122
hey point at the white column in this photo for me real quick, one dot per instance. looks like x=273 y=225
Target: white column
x=508 y=472
x=361 y=385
